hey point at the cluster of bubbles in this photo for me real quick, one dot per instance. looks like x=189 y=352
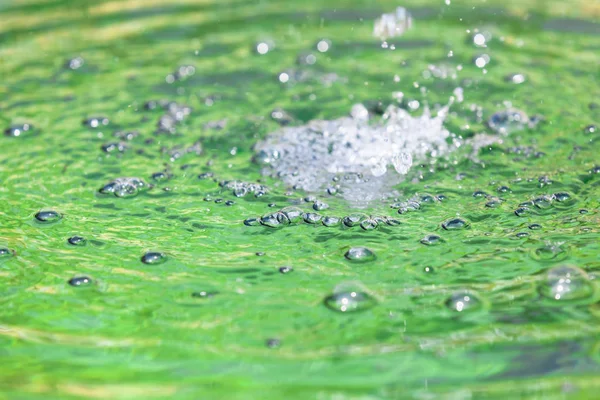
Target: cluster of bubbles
x=175 y=113
x=124 y=187
x=542 y=203
x=241 y=189
x=293 y=215
x=181 y=73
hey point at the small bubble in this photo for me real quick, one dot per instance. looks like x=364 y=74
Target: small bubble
x=455 y=224
x=80 y=281
x=542 y=202
x=535 y=227
x=550 y=252
x=273 y=343
x=74 y=63
x=18 y=130
x=350 y=301
x=124 y=187
x=154 y=258
x=95 y=122
x=463 y=301
x=205 y=175
x=285 y=270
x=48 y=216
x=260 y=253
x=479 y=193
x=565 y=284
x=161 y=176
x=77 y=241
x=353 y=219
x=252 y=222
x=590 y=129
x=320 y=206
x=323 y=45
x=114 y=147
x=522 y=234
x=293 y=214
x=360 y=254
x=5 y=253
x=561 y=197
x=493 y=203
x=432 y=240
x=583 y=211
x=503 y=189
x=262 y=48
x=517 y=79
x=312 y=218
x=204 y=294
x=428 y=270
x=522 y=212
x=331 y=221
x=274 y=220
x=508 y=121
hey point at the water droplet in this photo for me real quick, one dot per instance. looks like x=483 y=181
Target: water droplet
x=455 y=224
x=583 y=211
x=432 y=240
x=523 y=212
x=565 y=284
x=522 y=234
x=74 y=63
x=154 y=258
x=114 y=147
x=350 y=301
x=463 y=301
x=590 y=129
x=77 y=241
x=205 y=175
x=479 y=193
x=274 y=220
x=428 y=270
x=493 y=203
x=293 y=214
x=504 y=189
x=360 y=254
x=18 y=130
x=286 y=269
x=48 y=216
x=161 y=176
x=80 y=281
x=535 y=227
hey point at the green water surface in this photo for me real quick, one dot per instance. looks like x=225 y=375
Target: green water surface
x=218 y=321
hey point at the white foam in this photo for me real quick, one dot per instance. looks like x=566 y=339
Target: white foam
x=365 y=156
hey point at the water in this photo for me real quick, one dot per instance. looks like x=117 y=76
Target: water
x=169 y=104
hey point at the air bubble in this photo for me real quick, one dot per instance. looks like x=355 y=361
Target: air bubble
x=48 y=216
x=508 y=121
x=455 y=224
x=154 y=258
x=18 y=130
x=79 y=281
x=285 y=270
x=360 y=254
x=124 y=187
x=349 y=298
x=566 y=284
x=312 y=218
x=432 y=240
x=331 y=221
x=463 y=301
x=77 y=241
x=96 y=122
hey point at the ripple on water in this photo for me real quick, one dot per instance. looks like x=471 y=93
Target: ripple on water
x=566 y=284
